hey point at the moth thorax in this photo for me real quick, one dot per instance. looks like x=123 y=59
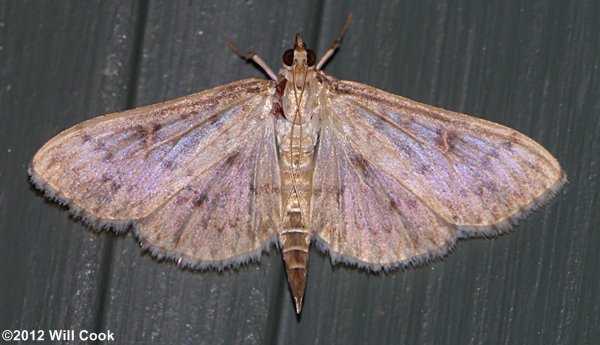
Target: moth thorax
x=296 y=139
x=299 y=79
x=295 y=112
x=301 y=97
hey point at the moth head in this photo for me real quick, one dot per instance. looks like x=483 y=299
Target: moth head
x=299 y=55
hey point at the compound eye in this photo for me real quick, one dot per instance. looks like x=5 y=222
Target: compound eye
x=288 y=57
x=312 y=58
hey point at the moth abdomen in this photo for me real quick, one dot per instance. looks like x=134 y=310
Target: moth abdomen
x=295 y=240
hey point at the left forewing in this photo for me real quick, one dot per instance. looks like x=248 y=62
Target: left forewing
x=122 y=166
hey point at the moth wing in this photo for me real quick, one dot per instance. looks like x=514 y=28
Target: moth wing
x=225 y=215
x=197 y=176
x=397 y=181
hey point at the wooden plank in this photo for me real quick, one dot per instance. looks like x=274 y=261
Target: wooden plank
x=60 y=63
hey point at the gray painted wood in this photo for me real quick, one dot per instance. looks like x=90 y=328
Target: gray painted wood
x=532 y=65
x=59 y=64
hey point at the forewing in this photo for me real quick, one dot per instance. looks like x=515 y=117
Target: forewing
x=226 y=214
x=163 y=166
x=429 y=175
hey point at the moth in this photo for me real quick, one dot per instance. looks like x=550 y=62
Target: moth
x=376 y=180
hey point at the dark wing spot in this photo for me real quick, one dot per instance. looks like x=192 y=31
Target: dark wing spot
x=231 y=158
x=105 y=178
x=108 y=156
x=253 y=89
x=199 y=200
x=168 y=164
x=359 y=162
x=339 y=193
x=52 y=162
x=486 y=162
x=100 y=146
x=407 y=149
x=140 y=134
x=494 y=154
x=491 y=186
x=386 y=228
x=86 y=138
x=393 y=205
x=213 y=119
x=508 y=145
x=453 y=138
x=446 y=139
x=114 y=186
x=411 y=203
x=424 y=169
x=180 y=200
x=441 y=141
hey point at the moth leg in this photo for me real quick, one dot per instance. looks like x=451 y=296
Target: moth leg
x=335 y=44
x=254 y=57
